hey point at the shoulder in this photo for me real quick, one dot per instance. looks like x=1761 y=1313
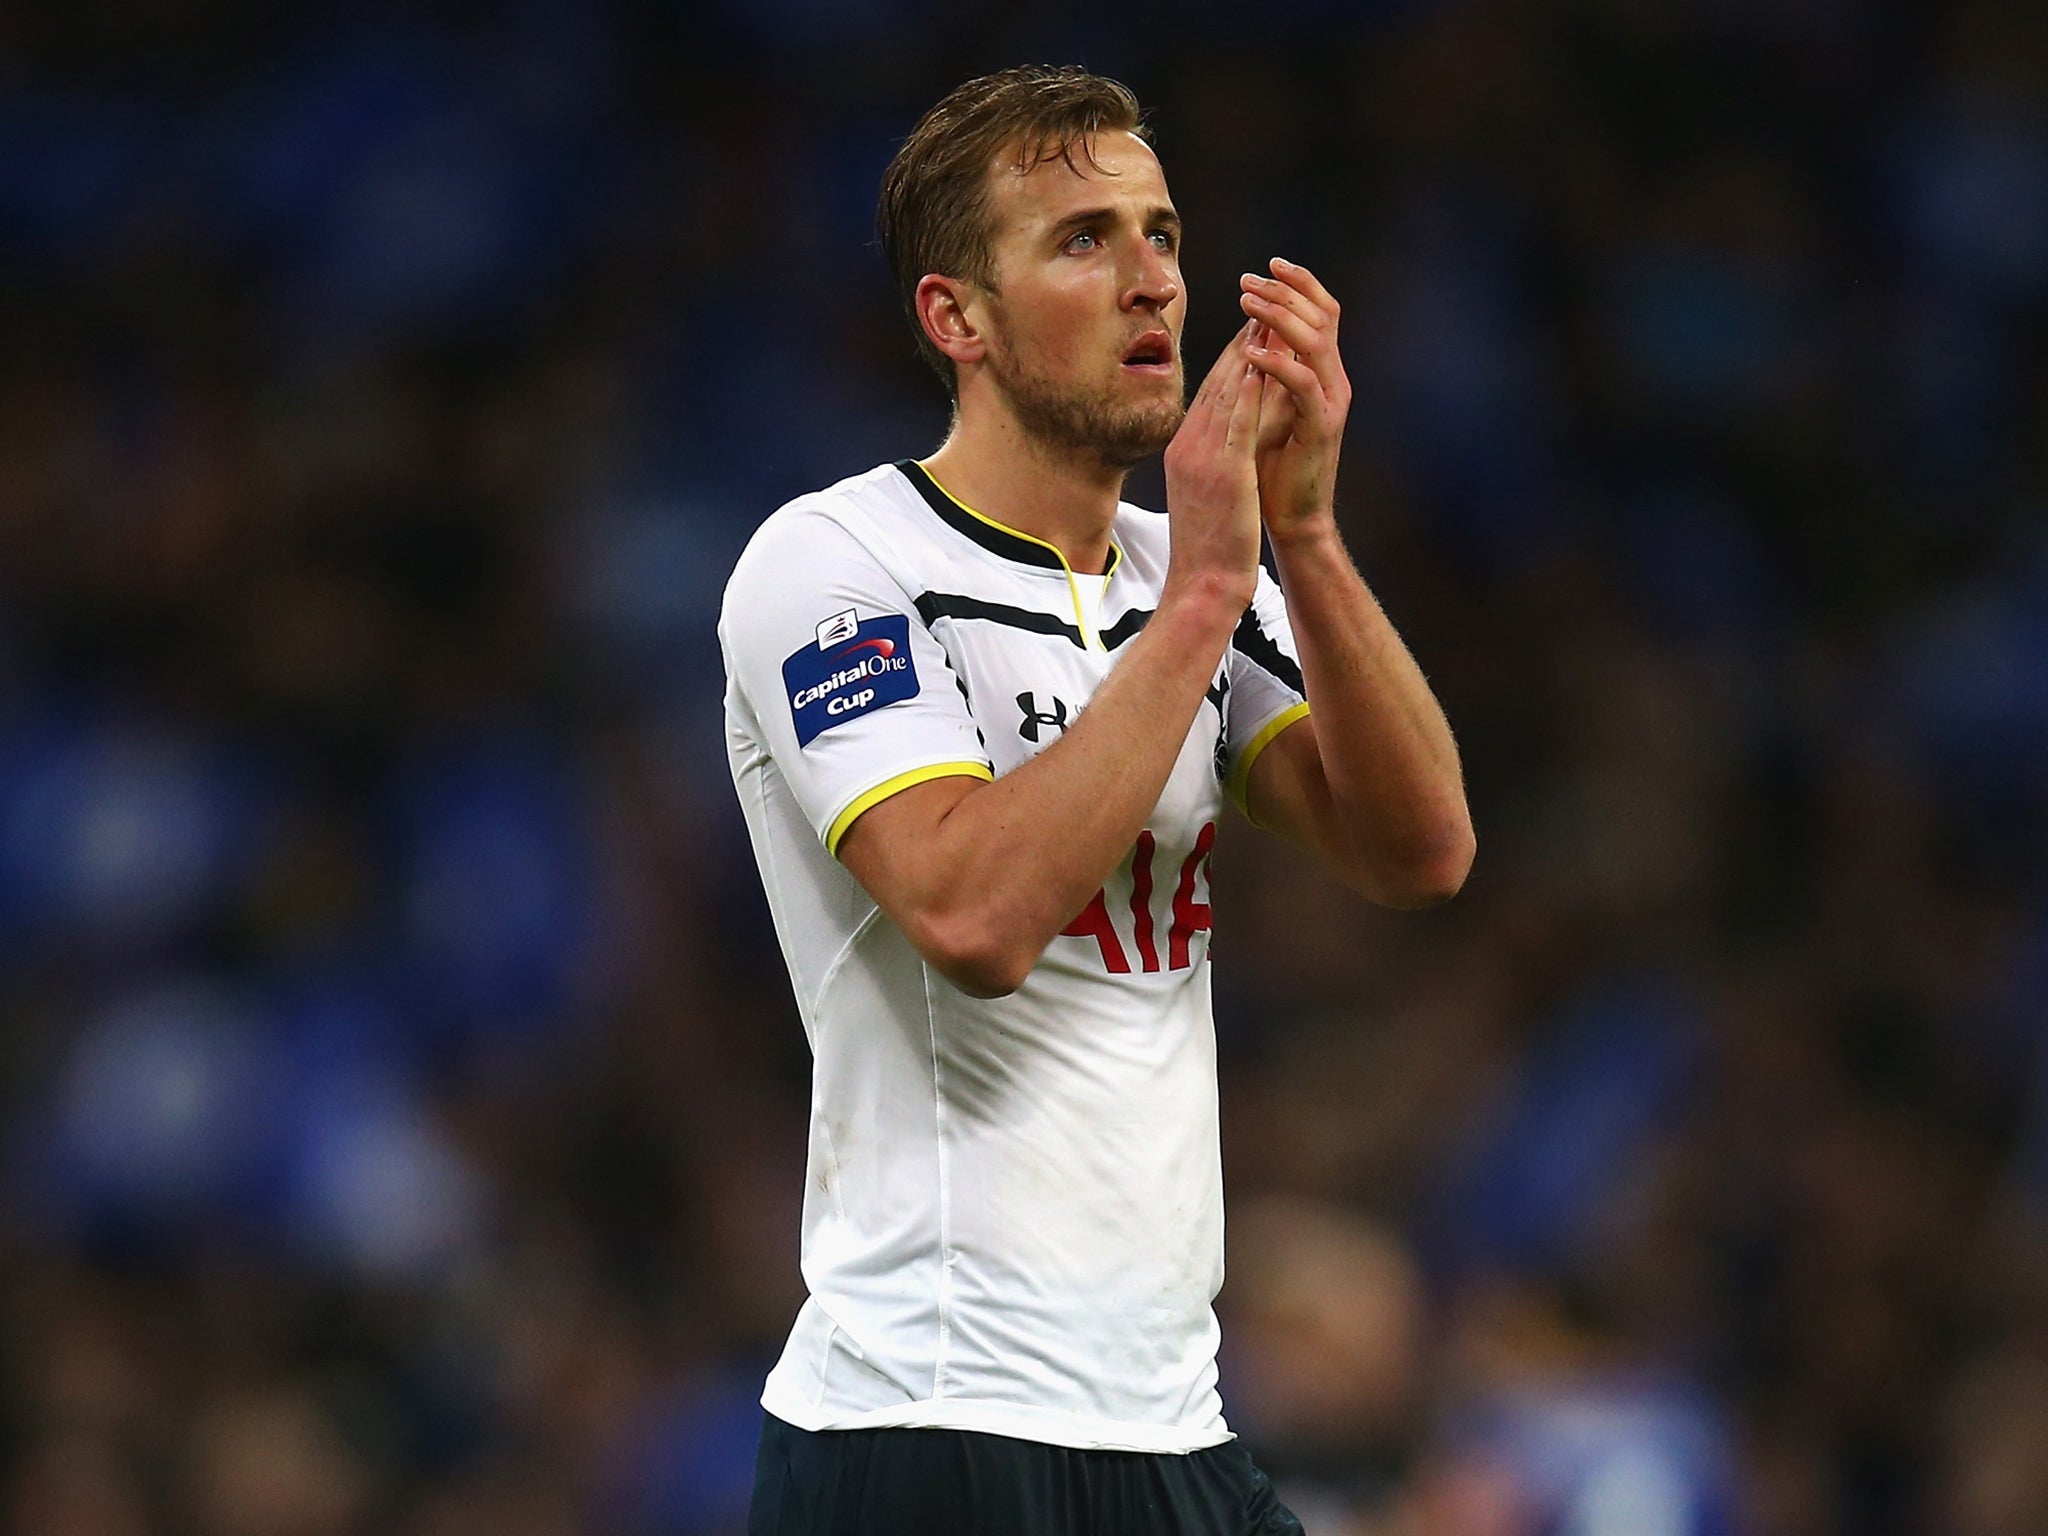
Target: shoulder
x=855 y=523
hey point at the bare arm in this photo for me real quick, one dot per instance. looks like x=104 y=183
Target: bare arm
x=981 y=877
x=1371 y=779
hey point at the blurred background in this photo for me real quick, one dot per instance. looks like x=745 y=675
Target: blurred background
x=404 y=1105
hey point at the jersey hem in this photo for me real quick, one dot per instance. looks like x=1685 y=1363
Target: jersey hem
x=1241 y=770
x=868 y=799
x=1045 y=1426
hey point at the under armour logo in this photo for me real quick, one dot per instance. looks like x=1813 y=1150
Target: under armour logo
x=1034 y=717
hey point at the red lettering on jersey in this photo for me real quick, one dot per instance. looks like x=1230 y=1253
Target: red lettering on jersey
x=1190 y=916
x=1141 y=901
x=1094 y=923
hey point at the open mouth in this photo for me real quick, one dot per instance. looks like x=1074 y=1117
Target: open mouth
x=1151 y=353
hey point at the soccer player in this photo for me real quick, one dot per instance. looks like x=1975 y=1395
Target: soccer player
x=982 y=717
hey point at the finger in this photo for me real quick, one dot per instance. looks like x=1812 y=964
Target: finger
x=1304 y=281
x=1243 y=427
x=1219 y=373
x=1278 y=404
x=1318 y=348
x=1276 y=392
x=1229 y=386
x=1292 y=374
x=1201 y=409
x=1223 y=386
x=1272 y=297
x=1262 y=337
x=1308 y=333
x=1196 y=416
x=1221 y=369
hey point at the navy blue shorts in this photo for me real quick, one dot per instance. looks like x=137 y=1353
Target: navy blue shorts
x=951 y=1482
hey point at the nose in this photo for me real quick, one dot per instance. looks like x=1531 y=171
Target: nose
x=1154 y=277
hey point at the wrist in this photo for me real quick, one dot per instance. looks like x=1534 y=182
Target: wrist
x=1216 y=598
x=1306 y=533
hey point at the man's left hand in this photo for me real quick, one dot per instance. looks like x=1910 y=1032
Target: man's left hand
x=1307 y=398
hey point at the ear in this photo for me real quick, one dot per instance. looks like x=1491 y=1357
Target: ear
x=949 y=310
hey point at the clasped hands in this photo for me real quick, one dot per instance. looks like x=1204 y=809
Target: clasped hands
x=1266 y=425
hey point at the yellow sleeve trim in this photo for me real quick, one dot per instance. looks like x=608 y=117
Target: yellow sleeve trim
x=862 y=804
x=1241 y=770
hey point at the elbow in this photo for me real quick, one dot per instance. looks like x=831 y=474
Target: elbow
x=984 y=976
x=1433 y=884
x=970 y=953
x=1422 y=877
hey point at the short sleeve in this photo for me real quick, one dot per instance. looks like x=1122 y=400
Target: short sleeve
x=854 y=699
x=1266 y=691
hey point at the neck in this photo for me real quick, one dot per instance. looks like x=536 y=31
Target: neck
x=1066 y=497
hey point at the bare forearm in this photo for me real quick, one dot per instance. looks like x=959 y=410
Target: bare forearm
x=1388 y=759
x=1012 y=861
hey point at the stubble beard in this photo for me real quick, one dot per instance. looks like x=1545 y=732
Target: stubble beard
x=1066 y=421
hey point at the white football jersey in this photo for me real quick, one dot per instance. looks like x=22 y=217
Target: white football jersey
x=1014 y=1216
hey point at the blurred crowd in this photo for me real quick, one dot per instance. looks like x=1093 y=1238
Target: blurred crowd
x=404 y=1110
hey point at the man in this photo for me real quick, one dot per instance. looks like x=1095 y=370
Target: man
x=982 y=717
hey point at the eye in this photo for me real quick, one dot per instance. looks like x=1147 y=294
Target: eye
x=1074 y=241
x=1164 y=240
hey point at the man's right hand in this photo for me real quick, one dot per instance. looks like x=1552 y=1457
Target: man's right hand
x=980 y=877
x=1212 y=483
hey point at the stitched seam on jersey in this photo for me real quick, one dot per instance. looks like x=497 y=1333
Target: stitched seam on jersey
x=931 y=1015
x=825 y=984
x=806 y=1007
x=832 y=1157
x=1241 y=771
x=933 y=606
x=873 y=796
x=1253 y=643
x=825 y=1367
x=925 y=477
x=838 y=961
x=960 y=681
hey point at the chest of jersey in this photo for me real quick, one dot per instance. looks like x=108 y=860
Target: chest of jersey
x=1152 y=916
x=1029 y=674
x=1026 y=689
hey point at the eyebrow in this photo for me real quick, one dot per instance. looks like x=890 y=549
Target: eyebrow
x=1157 y=216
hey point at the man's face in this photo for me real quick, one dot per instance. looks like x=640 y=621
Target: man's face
x=1084 y=325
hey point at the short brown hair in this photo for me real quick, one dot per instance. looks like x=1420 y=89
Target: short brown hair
x=934 y=214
